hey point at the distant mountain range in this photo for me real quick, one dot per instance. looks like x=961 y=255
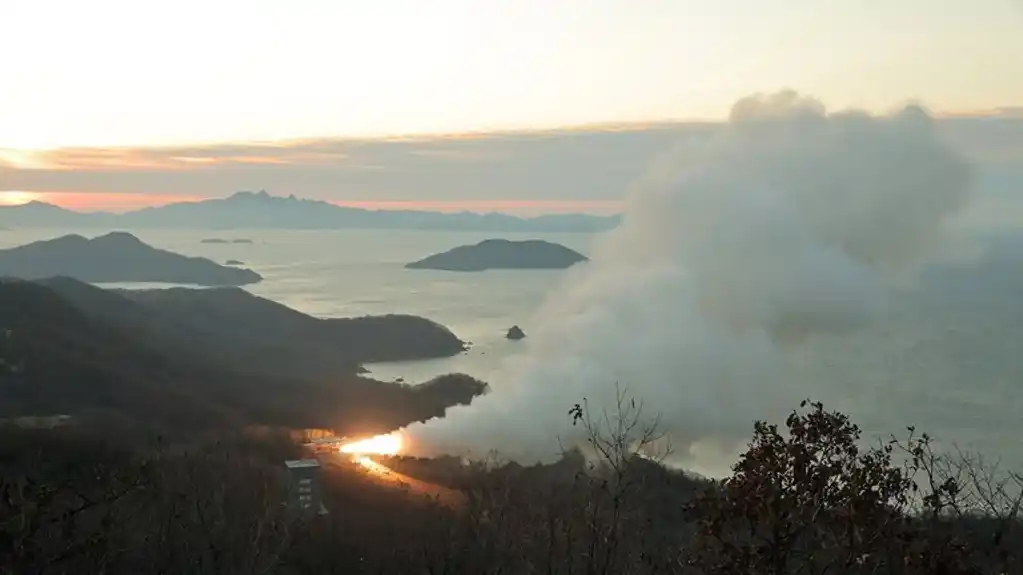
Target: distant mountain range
x=262 y=210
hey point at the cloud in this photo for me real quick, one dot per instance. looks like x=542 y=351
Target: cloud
x=573 y=165
x=780 y=229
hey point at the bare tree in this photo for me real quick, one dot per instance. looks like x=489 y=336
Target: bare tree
x=618 y=438
x=962 y=496
x=60 y=525
x=216 y=510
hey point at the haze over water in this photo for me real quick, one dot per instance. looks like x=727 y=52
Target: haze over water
x=946 y=359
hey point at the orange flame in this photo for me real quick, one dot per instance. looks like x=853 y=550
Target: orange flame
x=389 y=444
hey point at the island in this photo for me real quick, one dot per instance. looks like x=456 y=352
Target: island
x=234 y=263
x=223 y=241
x=502 y=254
x=117 y=257
x=515 y=333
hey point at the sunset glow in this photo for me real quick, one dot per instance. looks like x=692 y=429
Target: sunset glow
x=389 y=444
x=17 y=198
x=93 y=202
x=113 y=202
x=642 y=61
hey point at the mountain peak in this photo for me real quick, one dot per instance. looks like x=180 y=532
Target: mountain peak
x=260 y=209
x=37 y=205
x=245 y=195
x=123 y=238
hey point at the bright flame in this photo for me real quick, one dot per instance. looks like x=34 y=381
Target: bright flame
x=373 y=466
x=17 y=197
x=380 y=445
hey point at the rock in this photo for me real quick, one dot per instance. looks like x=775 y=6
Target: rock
x=515 y=333
x=234 y=263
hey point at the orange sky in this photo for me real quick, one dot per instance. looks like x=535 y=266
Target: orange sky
x=525 y=173
x=92 y=201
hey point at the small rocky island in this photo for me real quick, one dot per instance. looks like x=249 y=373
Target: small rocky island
x=115 y=258
x=223 y=241
x=515 y=333
x=234 y=263
x=502 y=254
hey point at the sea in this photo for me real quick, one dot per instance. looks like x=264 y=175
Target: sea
x=949 y=365
x=349 y=273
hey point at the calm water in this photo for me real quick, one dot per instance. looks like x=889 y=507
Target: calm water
x=949 y=362
x=357 y=272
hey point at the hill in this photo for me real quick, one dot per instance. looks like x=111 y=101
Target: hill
x=502 y=254
x=257 y=335
x=234 y=315
x=71 y=364
x=115 y=257
x=92 y=352
x=255 y=210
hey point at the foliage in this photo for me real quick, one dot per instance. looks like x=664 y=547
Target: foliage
x=813 y=500
x=93 y=351
x=12 y=366
x=211 y=508
x=807 y=497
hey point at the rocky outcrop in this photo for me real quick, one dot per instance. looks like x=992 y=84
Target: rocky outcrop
x=515 y=333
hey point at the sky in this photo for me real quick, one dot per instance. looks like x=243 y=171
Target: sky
x=187 y=74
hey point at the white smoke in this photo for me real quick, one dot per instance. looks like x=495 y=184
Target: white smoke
x=784 y=227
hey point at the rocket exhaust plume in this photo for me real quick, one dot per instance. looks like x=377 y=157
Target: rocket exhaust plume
x=785 y=226
x=389 y=444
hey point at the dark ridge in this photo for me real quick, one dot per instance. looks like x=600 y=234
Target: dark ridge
x=223 y=356
x=114 y=258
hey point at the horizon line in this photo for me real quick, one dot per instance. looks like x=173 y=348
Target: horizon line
x=511 y=207
x=1006 y=112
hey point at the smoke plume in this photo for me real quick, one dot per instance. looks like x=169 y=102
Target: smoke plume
x=785 y=227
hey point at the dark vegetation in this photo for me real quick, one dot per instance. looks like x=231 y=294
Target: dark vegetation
x=805 y=498
x=501 y=254
x=116 y=257
x=182 y=358
x=168 y=476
